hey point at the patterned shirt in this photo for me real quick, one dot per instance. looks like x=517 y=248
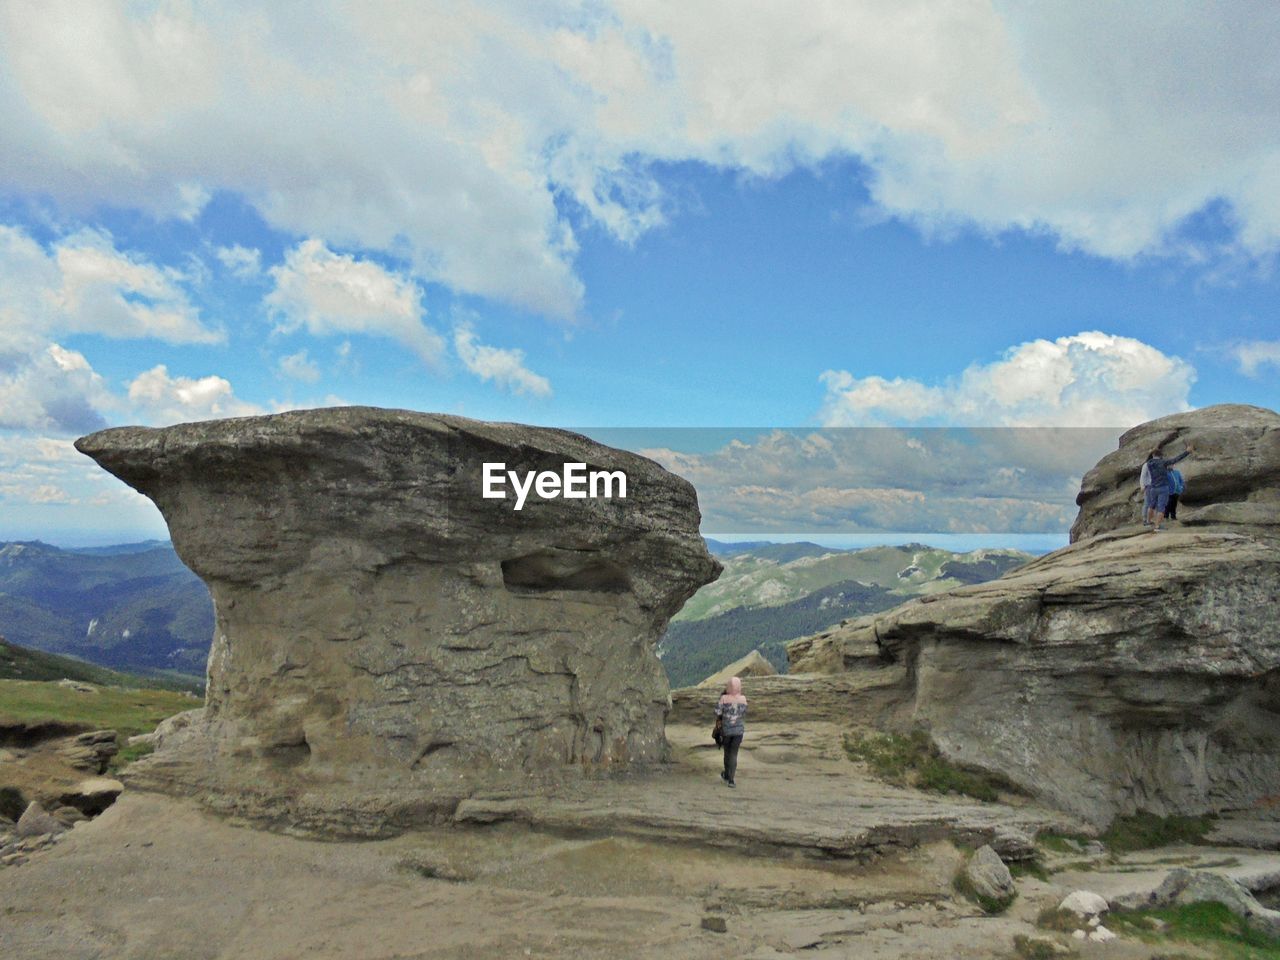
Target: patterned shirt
x=733 y=716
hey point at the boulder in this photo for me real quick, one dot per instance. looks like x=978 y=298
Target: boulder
x=35 y=822
x=1200 y=886
x=1232 y=478
x=1128 y=671
x=1084 y=904
x=387 y=638
x=1014 y=845
x=989 y=879
x=169 y=729
x=752 y=665
x=90 y=751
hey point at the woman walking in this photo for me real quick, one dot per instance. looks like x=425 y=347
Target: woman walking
x=732 y=711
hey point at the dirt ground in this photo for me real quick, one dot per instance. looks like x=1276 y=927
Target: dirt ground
x=157 y=877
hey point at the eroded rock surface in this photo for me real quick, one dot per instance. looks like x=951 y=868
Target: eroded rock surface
x=1129 y=671
x=387 y=640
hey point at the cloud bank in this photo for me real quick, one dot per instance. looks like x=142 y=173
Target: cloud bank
x=477 y=140
x=1089 y=379
x=872 y=480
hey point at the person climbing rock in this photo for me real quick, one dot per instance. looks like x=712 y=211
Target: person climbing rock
x=732 y=711
x=1158 y=493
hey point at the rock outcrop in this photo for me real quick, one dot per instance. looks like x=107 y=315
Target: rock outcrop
x=1184 y=886
x=752 y=665
x=1233 y=479
x=1130 y=670
x=388 y=640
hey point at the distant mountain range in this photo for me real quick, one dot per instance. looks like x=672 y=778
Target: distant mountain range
x=20 y=663
x=129 y=607
x=777 y=573
x=770 y=593
x=136 y=607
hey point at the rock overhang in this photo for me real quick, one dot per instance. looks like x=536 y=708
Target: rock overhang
x=378 y=619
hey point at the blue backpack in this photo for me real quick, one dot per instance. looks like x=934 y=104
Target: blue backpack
x=1175 y=482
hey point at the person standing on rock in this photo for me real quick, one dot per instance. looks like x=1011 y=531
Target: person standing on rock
x=1144 y=481
x=1158 y=492
x=1176 y=486
x=732 y=711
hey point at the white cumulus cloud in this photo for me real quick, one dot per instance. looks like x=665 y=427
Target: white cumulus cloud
x=80 y=283
x=166 y=399
x=1088 y=379
x=51 y=388
x=472 y=138
x=505 y=367
x=83 y=284
x=331 y=293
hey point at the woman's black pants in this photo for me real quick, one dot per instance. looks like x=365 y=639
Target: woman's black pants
x=731 y=745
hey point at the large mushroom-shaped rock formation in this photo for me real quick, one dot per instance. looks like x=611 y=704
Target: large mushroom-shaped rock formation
x=387 y=638
x=1128 y=671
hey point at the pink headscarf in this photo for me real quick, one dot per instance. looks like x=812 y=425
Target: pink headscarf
x=733 y=691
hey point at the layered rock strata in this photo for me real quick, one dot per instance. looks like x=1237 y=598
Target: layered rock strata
x=389 y=640
x=1129 y=671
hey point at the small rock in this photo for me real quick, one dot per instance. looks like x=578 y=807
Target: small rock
x=715 y=924
x=77 y=686
x=1079 y=934
x=68 y=816
x=1101 y=935
x=1094 y=921
x=35 y=821
x=1084 y=903
x=13 y=859
x=1095 y=848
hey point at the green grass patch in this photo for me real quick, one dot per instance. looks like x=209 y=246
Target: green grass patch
x=989 y=905
x=1146 y=831
x=1059 y=920
x=1038 y=948
x=1062 y=842
x=1029 y=868
x=913 y=760
x=129 y=753
x=23 y=663
x=1208 y=925
x=128 y=712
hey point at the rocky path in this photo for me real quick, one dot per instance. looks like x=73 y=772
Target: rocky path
x=797 y=794
x=155 y=877
x=666 y=867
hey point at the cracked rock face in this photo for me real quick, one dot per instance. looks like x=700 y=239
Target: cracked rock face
x=1129 y=671
x=387 y=640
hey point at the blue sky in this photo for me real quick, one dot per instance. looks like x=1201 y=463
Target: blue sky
x=625 y=214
